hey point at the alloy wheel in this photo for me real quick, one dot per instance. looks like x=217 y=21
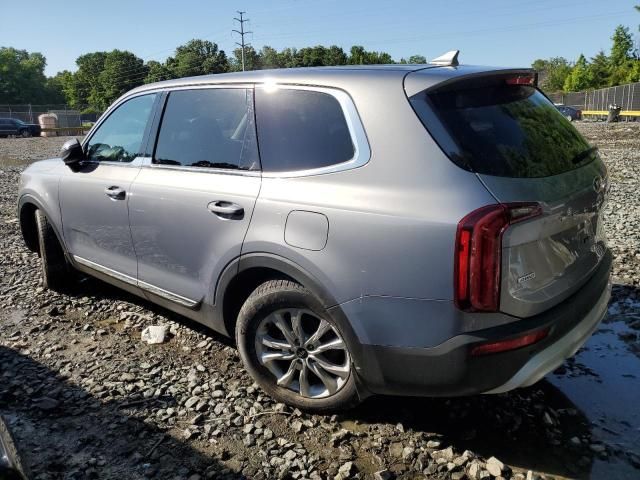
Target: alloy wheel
x=306 y=354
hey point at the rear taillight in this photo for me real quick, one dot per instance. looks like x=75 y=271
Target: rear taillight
x=478 y=253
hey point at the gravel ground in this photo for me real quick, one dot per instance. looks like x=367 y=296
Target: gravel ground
x=87 y=399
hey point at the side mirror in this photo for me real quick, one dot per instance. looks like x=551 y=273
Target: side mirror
x=72 y=153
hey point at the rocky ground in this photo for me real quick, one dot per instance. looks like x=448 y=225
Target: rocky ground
x=86 y=398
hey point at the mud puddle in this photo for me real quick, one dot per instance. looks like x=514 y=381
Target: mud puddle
x=605 y=386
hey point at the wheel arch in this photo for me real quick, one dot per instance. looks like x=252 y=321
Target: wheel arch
x=245 y=273
x=27 y=205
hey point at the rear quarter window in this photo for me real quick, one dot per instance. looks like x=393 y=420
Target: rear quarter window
x=301 y=130
x=493 y=128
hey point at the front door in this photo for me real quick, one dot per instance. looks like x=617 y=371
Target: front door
x=94 y=199
x=191 y=204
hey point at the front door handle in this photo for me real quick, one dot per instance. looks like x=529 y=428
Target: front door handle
x=226 y=209
x=116 y=193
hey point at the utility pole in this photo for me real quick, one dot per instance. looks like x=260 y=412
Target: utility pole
x=242 y=33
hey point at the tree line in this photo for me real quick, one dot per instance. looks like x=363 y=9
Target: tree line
x=101 y=77
x=620 y=66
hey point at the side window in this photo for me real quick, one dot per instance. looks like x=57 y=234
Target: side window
x=301 y=130
x=211 y=128
x=119 y=137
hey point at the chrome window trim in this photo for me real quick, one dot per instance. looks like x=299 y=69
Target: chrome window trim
x=362 y=151
x=137 y=162
x=148 y=163
x=173 y=297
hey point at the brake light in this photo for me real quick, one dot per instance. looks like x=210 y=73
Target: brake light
x=530 y=80
x=511 y=344
x=478 y=253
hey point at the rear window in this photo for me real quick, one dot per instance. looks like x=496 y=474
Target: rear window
x=301 y=130
x=492 y=128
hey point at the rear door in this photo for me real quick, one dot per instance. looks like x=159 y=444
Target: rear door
x=523 y=150
x=192 y=202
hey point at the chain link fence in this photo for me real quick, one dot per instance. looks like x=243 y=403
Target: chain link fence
x=67 y=117
x=597 y=102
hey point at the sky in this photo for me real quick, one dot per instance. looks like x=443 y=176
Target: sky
x=506 y=33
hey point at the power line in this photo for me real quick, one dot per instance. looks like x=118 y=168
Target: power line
x=242 y=33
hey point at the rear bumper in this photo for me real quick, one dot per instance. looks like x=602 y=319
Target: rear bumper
x=449 y=369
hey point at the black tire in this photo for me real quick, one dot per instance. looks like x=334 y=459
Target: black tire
x=56 y=273
x=25 y=133
x=19 y=469
x=267 y=298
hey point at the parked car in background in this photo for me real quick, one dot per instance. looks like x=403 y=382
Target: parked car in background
x=397 y=229
x=18 y=128
x=570 y=113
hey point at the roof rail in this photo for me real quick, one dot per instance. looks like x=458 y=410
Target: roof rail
x=449 y=59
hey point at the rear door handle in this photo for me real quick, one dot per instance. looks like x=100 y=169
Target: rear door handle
x=225 y=209
x=116 y=193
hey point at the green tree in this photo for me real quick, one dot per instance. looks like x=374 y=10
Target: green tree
x=552 y=73
x=359 y=56
x=599 y=70
x=270 y=58
x=419 y=59
x=312 y=56
x=54 y=91
x=197 y=57
x=252 y=60
x=157 y=72
x=22 y=78
x=622 y=48
x=579 y=79
x=290 y=58
x=321 y=56
x=86 y=87
x=121 y=72
x=335 y=55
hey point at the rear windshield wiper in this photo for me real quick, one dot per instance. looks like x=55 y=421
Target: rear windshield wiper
x=584 y=154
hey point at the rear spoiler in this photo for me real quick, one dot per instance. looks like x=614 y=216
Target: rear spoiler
x=433 y=79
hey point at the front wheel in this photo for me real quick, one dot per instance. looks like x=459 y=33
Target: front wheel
x=55 y=269
x=293 y=350
x=569 y=117
x=25 y=133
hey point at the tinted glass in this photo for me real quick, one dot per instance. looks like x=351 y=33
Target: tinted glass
x=119 y=137
x=300 y=129
x=208 y=128
x=504 y=130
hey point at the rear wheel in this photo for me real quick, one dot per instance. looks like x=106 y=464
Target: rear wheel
x=55 y=269
x=293 y=350
x=569 y=117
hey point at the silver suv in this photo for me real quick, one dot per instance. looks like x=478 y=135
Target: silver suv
x=405 y=229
